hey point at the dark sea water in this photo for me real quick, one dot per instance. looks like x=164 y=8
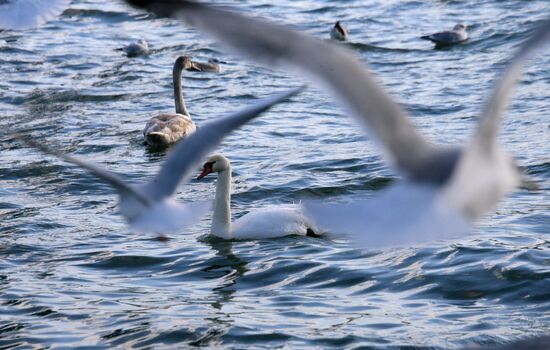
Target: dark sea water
x=72 y=275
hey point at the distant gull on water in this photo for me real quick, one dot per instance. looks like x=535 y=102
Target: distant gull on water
x=443 y=188
x=150 y=207
x=338 y=32
x=449 y=37
x=137 y=48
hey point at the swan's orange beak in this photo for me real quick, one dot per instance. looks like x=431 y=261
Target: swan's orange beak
x=206 y=169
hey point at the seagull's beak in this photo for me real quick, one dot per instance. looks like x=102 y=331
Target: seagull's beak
x=205 y=171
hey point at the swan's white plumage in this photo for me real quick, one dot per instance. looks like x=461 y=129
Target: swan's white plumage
x=271 y=222
x=24 y=14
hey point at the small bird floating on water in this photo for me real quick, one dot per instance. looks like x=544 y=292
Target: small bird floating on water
x=339 y=32
x=449 y=37
x=138 y=48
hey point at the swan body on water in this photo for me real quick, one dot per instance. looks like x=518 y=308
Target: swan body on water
x=25 y=14
x=150 y=207
x=444 y=188
x=449 y=37
x=168 y=128
x=338 y=32
x=270 y=222
x=138 y=48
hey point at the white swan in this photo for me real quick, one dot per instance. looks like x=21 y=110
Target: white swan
x=166 y=129
x=150 y=207
x=263 y=223
x=25 y=14
x=339 y=32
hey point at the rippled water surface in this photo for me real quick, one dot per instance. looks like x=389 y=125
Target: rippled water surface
x=73 y=275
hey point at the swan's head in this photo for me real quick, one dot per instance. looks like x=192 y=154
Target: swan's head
x=461 y=27
x=185 y=62
x=214 y=164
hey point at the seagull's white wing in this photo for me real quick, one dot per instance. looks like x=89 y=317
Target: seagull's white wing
x=492 y=113
x=188 y=153
x=485 y=172
x=105 y=175
x=337 y=69
x=23 y=14
x=399 y=215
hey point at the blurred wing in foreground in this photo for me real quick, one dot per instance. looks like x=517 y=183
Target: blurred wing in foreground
x=25 y=14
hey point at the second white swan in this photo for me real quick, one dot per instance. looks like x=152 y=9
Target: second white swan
x=262 y=223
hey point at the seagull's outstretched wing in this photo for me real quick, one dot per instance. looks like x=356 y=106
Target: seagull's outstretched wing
x=108 y=176
x=337 y=69
x=484 y=160
x=24 y=14
x=492 y=113
x=400 y=215
x=188 y=153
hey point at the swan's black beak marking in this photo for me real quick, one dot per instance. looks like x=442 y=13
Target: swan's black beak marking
x=206 y=169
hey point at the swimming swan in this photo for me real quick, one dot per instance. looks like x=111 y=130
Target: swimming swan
x=166 y=129
x=268 y=222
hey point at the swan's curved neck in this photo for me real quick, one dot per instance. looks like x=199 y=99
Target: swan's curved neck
x=221 y=219
x=178 y=93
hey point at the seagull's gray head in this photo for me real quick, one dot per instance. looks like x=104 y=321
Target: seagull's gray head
x=461 y=27
x=214 y=164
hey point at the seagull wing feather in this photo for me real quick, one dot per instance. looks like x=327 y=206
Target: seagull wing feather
x=108 y=176
x=494 y=108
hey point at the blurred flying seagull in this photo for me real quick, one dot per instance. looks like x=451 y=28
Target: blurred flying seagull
x=444 y=188
x=150 y=207
x=448 y=37
x=25 y=14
